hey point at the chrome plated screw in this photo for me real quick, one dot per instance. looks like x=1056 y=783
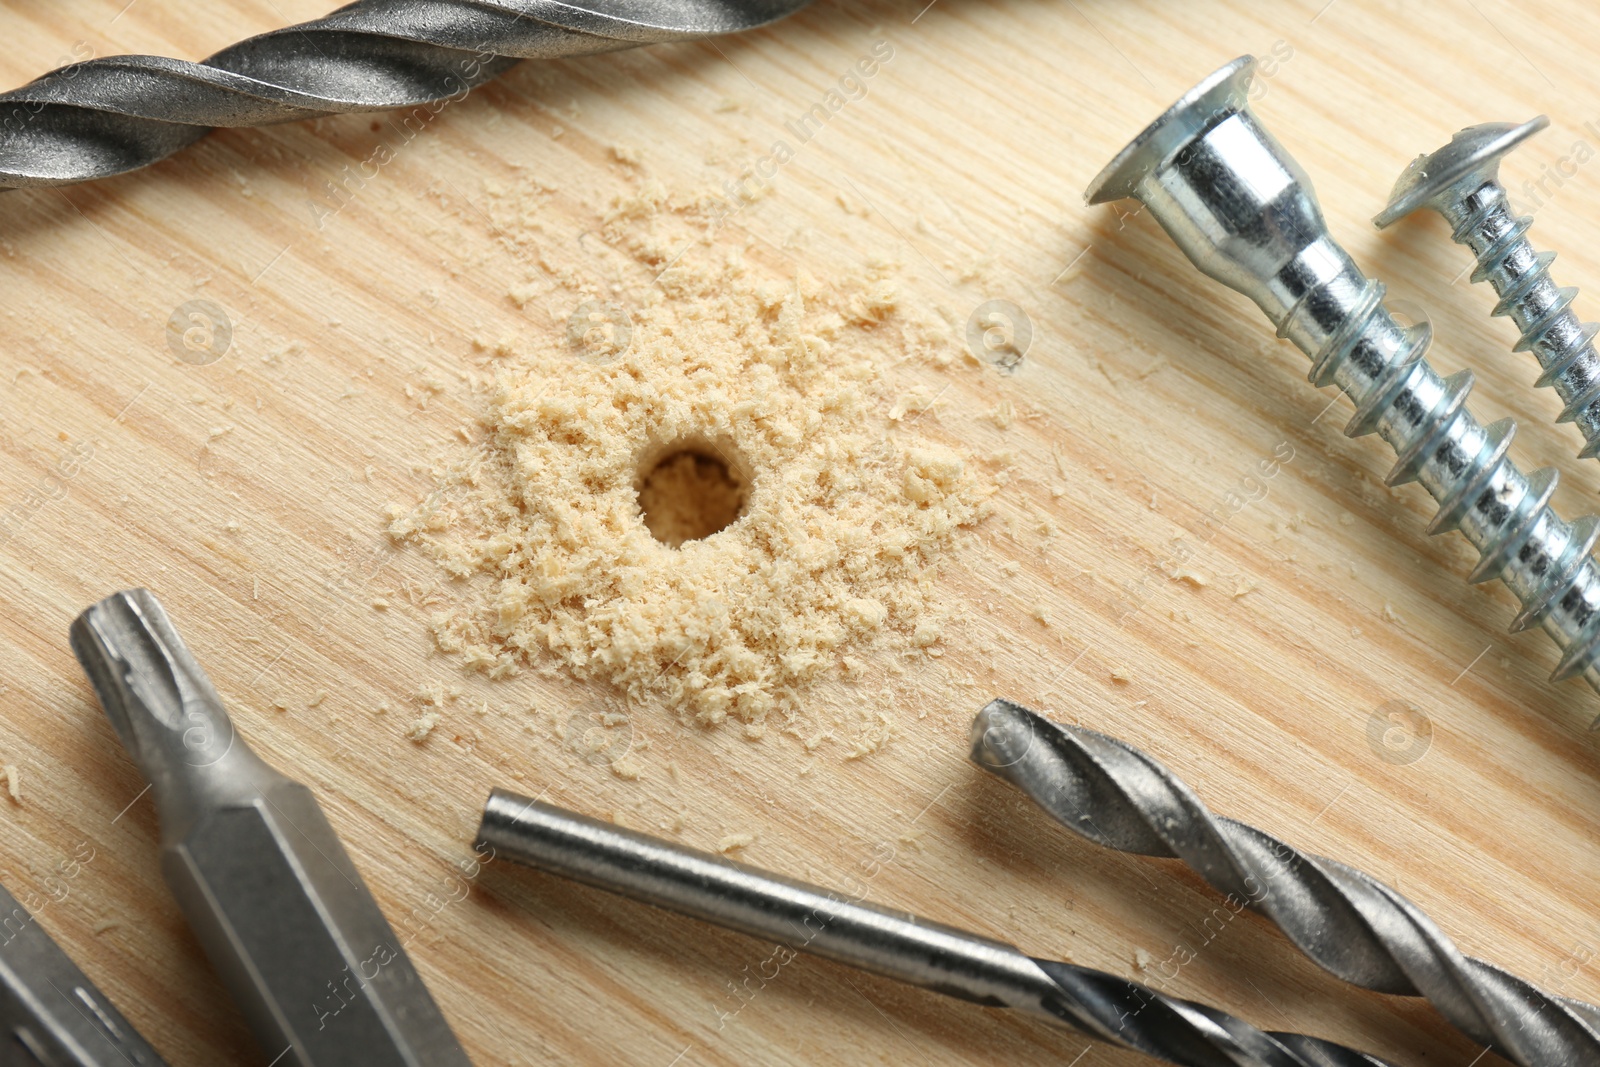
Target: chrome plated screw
x=1243 y=211
x=1461 y=181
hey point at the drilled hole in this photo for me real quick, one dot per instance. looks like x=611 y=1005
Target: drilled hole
x=690 y=490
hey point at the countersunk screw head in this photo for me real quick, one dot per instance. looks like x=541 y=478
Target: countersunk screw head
x=1222 y=94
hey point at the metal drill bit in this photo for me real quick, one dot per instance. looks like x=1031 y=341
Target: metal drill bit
x=1461 y=181
x=1239 y=206
x=844 y=928
x=106 y=116
x=1347 y=922
x=51 y=1015
x=262 y=878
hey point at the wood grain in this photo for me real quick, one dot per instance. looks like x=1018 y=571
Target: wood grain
x=250 y=494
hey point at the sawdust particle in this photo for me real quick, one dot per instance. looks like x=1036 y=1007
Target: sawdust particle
x=422 y=726
x=730 y=842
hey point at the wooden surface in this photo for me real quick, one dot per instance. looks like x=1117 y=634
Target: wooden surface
x=250 y=494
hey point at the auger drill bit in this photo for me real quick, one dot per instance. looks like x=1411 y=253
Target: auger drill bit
x=106 y=116
x=1348 y=922
x=265 y=883
x=843 y=928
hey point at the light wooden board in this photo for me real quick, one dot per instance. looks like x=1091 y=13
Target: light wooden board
x=1157 y=390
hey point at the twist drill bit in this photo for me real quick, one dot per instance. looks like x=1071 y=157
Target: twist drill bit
x=1243 y=211
x=1348 y=922
x=106 y=116
x=843 y=928
x=51 y=1015
x=1461 y=181
x=262 y=878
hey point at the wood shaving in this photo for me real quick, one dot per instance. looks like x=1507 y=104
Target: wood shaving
x=13 y=782
x=849 y=504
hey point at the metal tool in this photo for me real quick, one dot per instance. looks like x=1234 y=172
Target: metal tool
x=1461 y=181
x=1346 y=921
x=262 y=878
x=106 y=116
x=51 y=1015
x=1241 y=209
x=895 y=944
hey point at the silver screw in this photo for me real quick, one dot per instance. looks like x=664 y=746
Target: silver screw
x=1461 y=181
x=1243 y=211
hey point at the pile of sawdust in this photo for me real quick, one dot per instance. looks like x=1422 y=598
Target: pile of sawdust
x=840 y=507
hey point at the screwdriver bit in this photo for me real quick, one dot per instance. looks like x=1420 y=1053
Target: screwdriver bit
x=114 y=114
x=1348 y=922
x=894 y=944
x=263 y=880
x=51 y=1015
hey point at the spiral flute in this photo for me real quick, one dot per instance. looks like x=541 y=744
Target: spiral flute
x=1241 y=209
x=107 y=116
x=1461 y=181
x=843 y=927
x=1348 y=922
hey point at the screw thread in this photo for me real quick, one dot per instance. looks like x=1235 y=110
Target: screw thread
x=1355 y=343
x=1564 y=346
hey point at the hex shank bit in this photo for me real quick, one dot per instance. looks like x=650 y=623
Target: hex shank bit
x=51 y=1015
x=1347 y=922
x=259 y=873
x=1239 y=206
x=895 y=944
x=107 y=116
